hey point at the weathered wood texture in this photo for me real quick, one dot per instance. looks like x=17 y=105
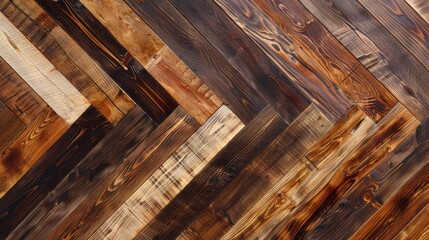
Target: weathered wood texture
x=10 y=127
x=421 y=7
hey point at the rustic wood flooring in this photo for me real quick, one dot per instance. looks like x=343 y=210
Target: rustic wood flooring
x=214 y=119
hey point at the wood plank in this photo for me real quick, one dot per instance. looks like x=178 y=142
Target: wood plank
x=10 y=127
x=39 y=73
x=421 y=7
x=179 y=80
x=18 y=96
x=114 y=59
x=291 y=190
x=123 y=23
x=98 y=164
x=377 y=145
x=111 y=189
x=53 y=51
x=29 y=147
x=260 y=176
x=60 y=159
x=73 y=51
x=400 y=209
x=174 y=174
x=201 y=57
x=227 y=164
x=418 y=228
x=404 y=24
x=254 y=66
x=377 y=50
x=291 y=59
x=2 y=105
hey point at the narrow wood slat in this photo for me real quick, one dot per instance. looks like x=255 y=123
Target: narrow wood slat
x=18 y=96
x=10 y=127
x=291 y=190
x=378 y=144
x=121 y=66
x=39 y=73
x=201 y=57
x=421 y=7
x=174 y=174
x=250 y=61
x=126 y=27
x=404 y=24
x=29 y=147
x=98 y=164
x=111 y=189
x=377 y=50
x=400 y=209
x=54 y=52
x=66 y=153
x=227 y=164
x=179 y=80
x=260 y=176
x=418 y=228
x=73 y=51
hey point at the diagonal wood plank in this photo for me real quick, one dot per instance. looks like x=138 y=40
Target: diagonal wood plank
x=10 y=127
x=418 y=228
x=421 y=7
x=39 y=73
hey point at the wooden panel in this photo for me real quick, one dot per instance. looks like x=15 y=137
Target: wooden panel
x=201 y=57
x=421 y=7
x=96 y=166
x=39 y=73
x=285 y=53
x=260 y=176
x=404 y=24
x=53 y=51
x=179 y=80
x=173 y=175
x=126 y=27
x=10 y=127
x=418 y=228
x=377 y=50
x=27 y=149
x=66 y=153
x=114 y=188
x=377 y=145
x=18 y=96
x=97 y=41
x=227 y=164
x=291 y=190
x=71 y=49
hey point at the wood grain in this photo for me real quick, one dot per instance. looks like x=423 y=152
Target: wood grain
x=27 y=149
x=174 y=174
x=39 y=73
x=10 y=127
x=404 y=24
x=114 y=59
x=418 y=228
x=204 y=60
x=18 y=96
x=60 y=159
x=377 y=50
x=421 y=7
x=179 y=80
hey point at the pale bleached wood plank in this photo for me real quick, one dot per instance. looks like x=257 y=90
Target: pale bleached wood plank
x=40 y=74
x=174 y=174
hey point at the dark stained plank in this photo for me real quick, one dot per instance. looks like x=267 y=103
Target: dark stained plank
x=55 y=53
x=329 y=59
x=109 y=189
x=421 y=7
x=60 y=159
x=260 y=176
x=10 y=127
x=204 y=60
x=29 y=147
x=377 y=50
x=376 y=146
x=375 y=189
x=98 y=164
x=400 y=209
x=250 y=61
x=404 y=24
x=18 y=96
x=227 y=164
x=96 y=40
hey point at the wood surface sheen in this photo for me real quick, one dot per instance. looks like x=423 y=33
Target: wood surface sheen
x=214 y=119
